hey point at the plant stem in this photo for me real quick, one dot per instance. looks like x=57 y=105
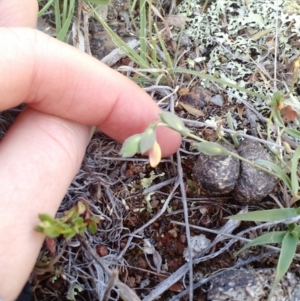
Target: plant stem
x=238 y=157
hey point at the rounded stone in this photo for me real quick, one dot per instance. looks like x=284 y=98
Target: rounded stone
x=253 y=184
x=217 y=175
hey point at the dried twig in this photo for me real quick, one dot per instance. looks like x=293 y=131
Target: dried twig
x=126 y=293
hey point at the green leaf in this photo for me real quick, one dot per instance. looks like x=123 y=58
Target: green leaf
x=293 y=133
x=131 y=146
x=70 y=234
x=77 y=221
x=45 y=225
x=38 y=228
x=296 y=230
x=288 y=250
x=80 y=228
x=81 y=207
x=174 y=122
x=266 y=215
x=95 y=219
x=269 y=238
x=280 y=174
x=294 y=172
x=211 y=148
x=52 y=232
x=93 y=227
x=277 y=97
x=63 y=228
x=147 y=139
x=47 y=218
x=72 y=213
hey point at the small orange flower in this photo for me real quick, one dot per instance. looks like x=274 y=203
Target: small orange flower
x=155 y=155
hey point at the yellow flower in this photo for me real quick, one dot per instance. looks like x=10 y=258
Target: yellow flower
x=155 y=155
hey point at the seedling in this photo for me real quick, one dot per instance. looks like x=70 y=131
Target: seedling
x=75 y=221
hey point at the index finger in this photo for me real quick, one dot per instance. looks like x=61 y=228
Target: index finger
x=58 y=79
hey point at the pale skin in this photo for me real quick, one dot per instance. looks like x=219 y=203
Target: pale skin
x=67 y=92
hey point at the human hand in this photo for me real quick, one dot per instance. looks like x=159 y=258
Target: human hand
x=67 y=92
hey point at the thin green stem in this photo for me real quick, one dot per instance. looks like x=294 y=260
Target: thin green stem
x=238 y=157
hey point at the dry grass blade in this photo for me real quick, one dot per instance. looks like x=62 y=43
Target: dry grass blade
x=111 y=283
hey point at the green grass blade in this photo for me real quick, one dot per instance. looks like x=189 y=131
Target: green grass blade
x=64 y=11
x=268 y=238
x=164 y=48
x=294 y=172
x=278 y=118
x=66 y=25
x=45 y=7
x=293 y=133
x=279 y=172
x=143 y=29
x=288 y=250
x=266 y=215
x=132 y=6
x=57 y=17
x=220 y=81
x=153 y=50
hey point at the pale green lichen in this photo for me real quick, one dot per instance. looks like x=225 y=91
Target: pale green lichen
x=291 y=7
x=227 y=27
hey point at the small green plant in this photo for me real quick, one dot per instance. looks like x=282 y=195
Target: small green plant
x=75 y=221
x=288 y=238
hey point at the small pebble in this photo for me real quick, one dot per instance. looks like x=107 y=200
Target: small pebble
x=217 y=100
